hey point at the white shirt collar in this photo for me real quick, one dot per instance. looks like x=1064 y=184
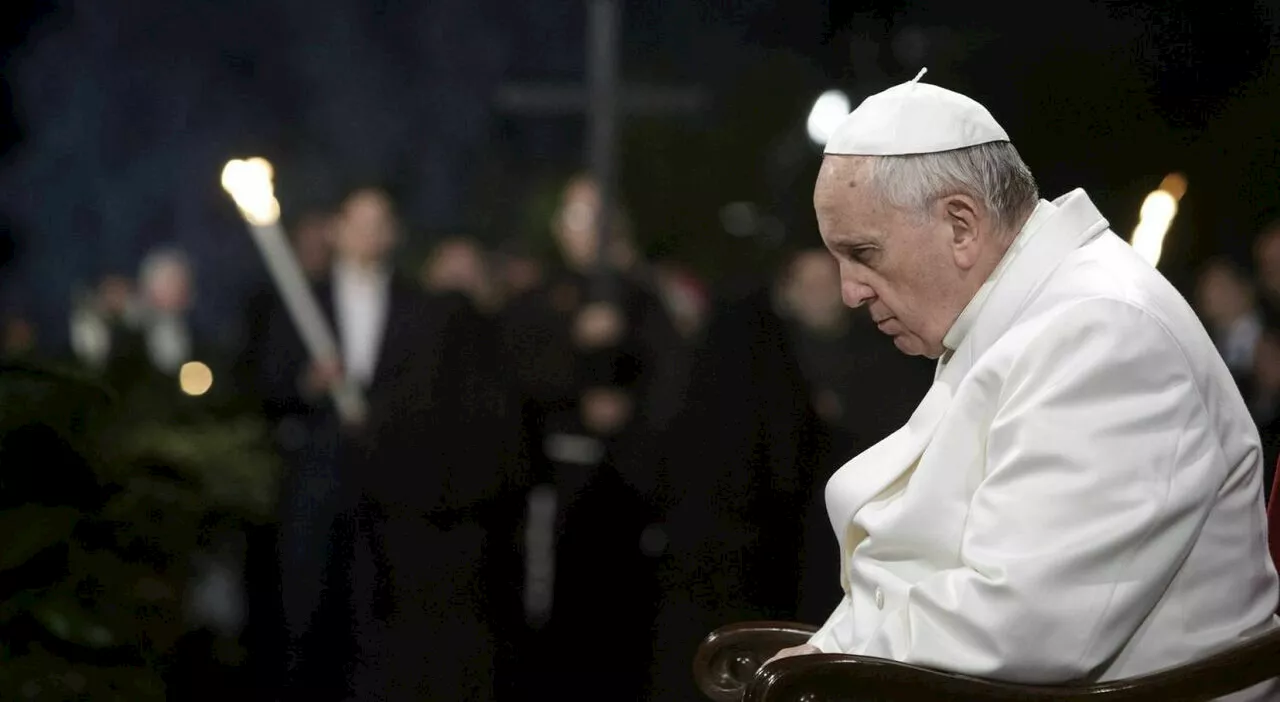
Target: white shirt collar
x=346 y=272
x=361 y=300
x=964 y=323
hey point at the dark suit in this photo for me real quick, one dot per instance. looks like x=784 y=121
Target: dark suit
x=439 y=474
x=308 y=437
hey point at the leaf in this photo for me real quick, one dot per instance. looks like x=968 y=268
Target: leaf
x=27 y=530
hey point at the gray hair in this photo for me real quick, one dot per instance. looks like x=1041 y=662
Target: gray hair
x=991 y=173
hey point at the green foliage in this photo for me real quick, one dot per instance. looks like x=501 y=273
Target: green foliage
x=41 y=675
x=103 y=501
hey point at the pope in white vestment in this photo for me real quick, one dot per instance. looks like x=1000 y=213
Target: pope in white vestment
x=1078 y=497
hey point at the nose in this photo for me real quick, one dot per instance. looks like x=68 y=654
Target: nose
x=855 y=294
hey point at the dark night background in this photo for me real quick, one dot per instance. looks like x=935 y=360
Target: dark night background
x=119 y=116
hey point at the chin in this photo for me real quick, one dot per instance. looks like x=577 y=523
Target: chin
x=913 y=346
x=907 y=346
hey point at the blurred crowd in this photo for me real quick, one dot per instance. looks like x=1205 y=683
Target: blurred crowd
x=564 y=479
x=1240 y=306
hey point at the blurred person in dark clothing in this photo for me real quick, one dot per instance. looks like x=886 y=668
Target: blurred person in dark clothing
x=686 y=298
x=101 y=320
x=1266 y=258
x=394 y=508
x=166 y=295
x=517 y=271
x=459 y=265
x=309 y=436
x=601 y=379
x=311 y=236
x=860 y=386
x=1265 y=400
x=734 y=484
x=1225 y=299
x=145 y=340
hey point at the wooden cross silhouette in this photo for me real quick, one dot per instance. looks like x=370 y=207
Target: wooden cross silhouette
x=601 y=99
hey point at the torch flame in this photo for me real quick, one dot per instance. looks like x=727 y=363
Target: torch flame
x=249 y=182
x=1156 y=215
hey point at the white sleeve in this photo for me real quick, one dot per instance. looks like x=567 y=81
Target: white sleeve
x=826 y=638
x=1101 y=468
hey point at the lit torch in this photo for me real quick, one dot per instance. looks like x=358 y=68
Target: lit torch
x=1155 y=217
x=249 y=182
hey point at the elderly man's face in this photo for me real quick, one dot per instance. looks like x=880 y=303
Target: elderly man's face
x=913 y=273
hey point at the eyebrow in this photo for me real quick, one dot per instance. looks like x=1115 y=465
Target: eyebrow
x=854 y=240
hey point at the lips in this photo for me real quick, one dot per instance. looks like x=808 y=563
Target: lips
x=883 y=321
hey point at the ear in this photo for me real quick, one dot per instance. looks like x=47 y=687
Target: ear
x=963 y=217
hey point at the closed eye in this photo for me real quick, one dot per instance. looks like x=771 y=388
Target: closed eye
x=861 y=253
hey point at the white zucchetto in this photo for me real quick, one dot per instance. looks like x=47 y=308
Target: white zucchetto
x=914 y=118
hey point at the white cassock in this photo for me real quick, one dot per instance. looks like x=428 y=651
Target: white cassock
x=1077 y=497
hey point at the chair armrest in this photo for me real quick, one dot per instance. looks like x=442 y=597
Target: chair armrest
x=730 y=656
x=833 y=677
x=830 y=677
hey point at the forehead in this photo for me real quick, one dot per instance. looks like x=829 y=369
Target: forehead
x=844 y=201
x=840 y=174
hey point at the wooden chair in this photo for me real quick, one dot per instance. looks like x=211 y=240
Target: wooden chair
x=728 y=667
